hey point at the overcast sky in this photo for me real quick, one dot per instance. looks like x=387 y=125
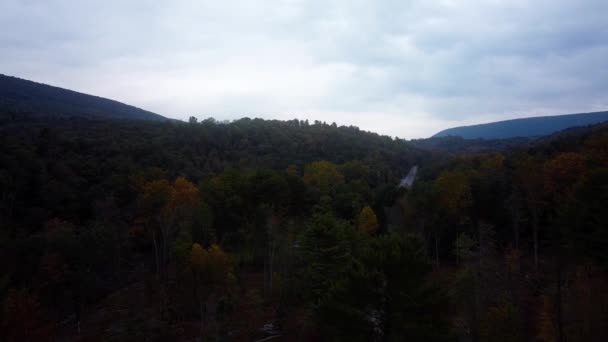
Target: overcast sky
x=402 y=68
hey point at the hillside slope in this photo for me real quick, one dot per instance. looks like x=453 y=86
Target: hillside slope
x=525 y=127
x=22 y=98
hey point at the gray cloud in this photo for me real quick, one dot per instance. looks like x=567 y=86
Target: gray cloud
x=405 y=68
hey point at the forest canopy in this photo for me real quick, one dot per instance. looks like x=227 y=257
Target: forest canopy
x=244 y=230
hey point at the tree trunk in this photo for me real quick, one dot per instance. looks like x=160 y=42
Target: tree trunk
x=201 y=309
x=558 y=301
x=515 y=218
x=535 y=238
x=436 y=251
x=271 y=264
x=156 y=255
x=199 y=298
x=477 y=286
x=386 y=326
x=164 y=251
x=265 y=276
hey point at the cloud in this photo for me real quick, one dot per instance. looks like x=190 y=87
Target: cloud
x=404 y=68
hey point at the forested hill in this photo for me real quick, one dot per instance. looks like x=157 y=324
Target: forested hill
x=57 y=159
x=22 y=98
x=458 y=145
x=525 y=127
x=255 y=229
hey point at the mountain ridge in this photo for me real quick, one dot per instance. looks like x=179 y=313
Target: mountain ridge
x=525 y=127
x=20 y=97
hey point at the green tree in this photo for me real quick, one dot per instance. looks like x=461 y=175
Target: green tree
x=375 y=299
x=455 y=201
x=464 y=247
x=412 y=308
x=454 y=193
x=169 y=208
x=325 y=247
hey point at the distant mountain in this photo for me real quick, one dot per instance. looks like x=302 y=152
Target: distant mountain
x=525 y=127
x=21 y=98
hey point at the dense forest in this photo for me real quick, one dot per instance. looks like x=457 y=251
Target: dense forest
x=254 y=230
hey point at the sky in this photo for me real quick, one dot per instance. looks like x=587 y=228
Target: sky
x=401 y=68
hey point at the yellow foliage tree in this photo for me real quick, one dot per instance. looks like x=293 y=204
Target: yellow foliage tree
x=454 y=192
x=184 y=194
x=213 y=271
x=368 y=222
x=323 y=175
